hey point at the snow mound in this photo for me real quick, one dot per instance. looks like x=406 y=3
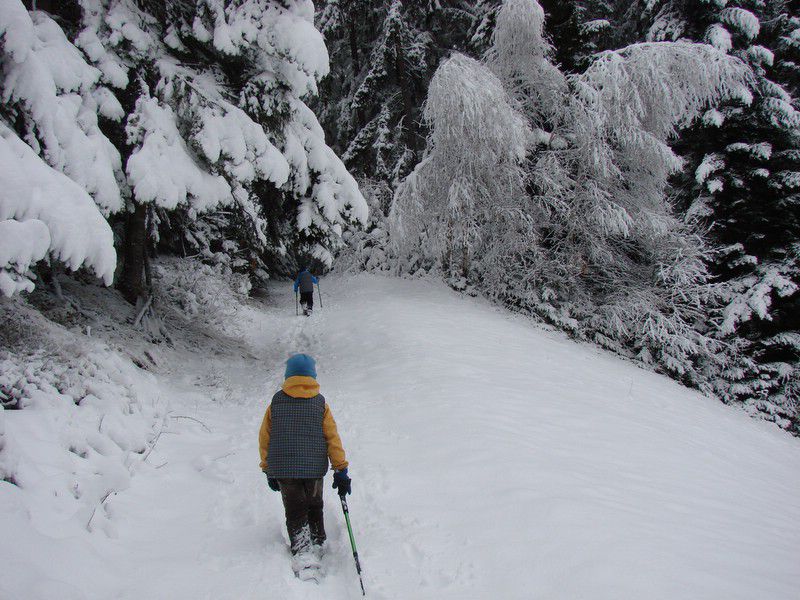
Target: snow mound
x=210 y=294
x=76 y=420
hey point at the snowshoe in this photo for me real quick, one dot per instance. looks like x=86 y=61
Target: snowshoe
x=307 y=567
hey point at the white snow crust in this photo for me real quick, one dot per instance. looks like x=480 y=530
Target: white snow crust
x=491 y=458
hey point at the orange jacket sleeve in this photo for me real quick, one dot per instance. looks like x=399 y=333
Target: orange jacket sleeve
x=263 y=437
x=335 y=449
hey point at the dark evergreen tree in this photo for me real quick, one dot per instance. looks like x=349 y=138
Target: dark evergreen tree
x=383 y=55
x=741 y=180
x=579 y=29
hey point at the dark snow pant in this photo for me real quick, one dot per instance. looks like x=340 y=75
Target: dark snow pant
x=302 y=501
x=307 y=299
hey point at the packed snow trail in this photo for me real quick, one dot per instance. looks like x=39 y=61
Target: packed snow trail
x=490 y=456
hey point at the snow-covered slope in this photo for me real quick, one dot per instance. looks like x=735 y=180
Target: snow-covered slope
x=491 y=458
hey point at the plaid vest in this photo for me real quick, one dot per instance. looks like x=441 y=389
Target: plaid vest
x=297 y=446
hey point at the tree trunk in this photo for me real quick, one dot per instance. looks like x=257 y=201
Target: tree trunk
x=405 y=84
x=355 y=61
x=354 y=45
x=132 y=281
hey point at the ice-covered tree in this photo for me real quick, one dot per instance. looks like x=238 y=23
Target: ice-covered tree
x=594 y=246
x=615 y=256
x=520 y=56
x=470 y=183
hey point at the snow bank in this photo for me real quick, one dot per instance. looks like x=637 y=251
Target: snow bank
x=491 y=458
x=76 y=421
x=31 y=190
x=212 y=295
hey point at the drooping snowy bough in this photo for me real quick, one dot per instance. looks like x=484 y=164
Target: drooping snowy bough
x=44 y=213
x=57 y=96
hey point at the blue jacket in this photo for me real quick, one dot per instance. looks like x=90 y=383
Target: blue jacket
x=305 y=281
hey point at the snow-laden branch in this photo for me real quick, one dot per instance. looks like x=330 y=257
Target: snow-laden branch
x=46 y=78
x=45 y=212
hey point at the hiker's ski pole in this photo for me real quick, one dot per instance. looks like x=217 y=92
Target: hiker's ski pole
x=319 y=293
x=352 y=543
x=296 y=310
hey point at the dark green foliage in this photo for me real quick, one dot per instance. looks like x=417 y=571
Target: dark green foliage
x=742 y=181
x=383 y=54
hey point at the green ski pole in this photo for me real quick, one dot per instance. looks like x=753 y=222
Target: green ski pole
x=296 y=310
x=352 y=543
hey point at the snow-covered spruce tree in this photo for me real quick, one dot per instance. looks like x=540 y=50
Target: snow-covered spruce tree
x=384 y=54
x=741 y=180
x=45 y=215
x=192 y=117
x=601 y=253
x=484 y=16
x=217 y=121
x=388 y=140
x=578 y=29
x=520 y=57
x=385 y=103
x=52 y=98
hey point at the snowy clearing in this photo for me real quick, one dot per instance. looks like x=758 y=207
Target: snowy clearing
x=491 y=458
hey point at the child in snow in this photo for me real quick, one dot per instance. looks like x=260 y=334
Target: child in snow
x=298 y=435
x=305 y=283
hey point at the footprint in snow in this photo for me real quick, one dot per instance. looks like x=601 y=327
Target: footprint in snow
x=212 y=469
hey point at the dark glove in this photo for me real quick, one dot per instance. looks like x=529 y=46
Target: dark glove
x=341 y=482
x=273 y=483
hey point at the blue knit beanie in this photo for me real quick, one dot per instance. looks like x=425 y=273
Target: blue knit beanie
x=301 y=364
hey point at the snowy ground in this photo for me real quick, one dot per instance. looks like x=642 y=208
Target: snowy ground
x=491 y=458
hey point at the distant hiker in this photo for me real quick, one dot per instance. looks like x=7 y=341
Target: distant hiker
x=305 y=283
x=298 y=435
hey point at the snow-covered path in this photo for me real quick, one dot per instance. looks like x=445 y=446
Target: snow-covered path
x=491 y=458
